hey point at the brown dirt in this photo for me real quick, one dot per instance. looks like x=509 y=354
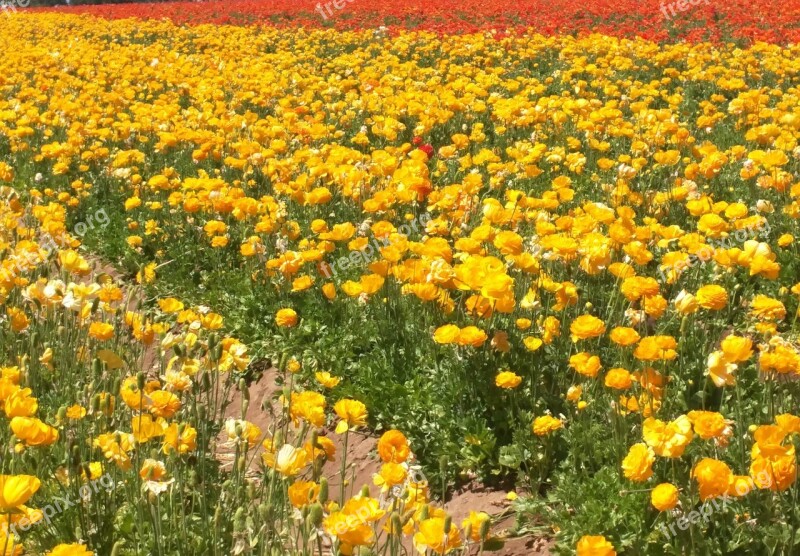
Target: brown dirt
x=363 y=463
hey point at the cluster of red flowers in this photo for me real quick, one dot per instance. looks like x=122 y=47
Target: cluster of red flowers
x=712 y=20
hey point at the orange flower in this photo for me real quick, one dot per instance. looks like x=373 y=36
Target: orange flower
x=546 y=424
x=586 y=326
x=638 y=464
x=664 y=497
x=303 y=493
x=432 y=536
x=712 y=297
x=352 y=413
x=713 y=477
x=656 y=348
x=624 y=336
x=619 y=379
x=668 y=440
x=471 y=336
x=393 y=447
x=595 y=545
x=286 y=318
x=586 y=364
x=507 y=380
x=101 y=331
x=709 y=424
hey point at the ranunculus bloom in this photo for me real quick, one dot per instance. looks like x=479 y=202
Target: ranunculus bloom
x=309 y=406
x=619 y=379
x=286 y=318
x=664 y=497
x=713 y=478
x=638 y=464
x=393 y=446
x=507 y=380
x=737 y=348
x=624 y=336
x=431 y=536
x=352 y=413
x=546 y=424
x=74 y=549
x=16 y=490
x=668 y=440
x=586 y=326
x=712 y=297
x=595 y=545
x=586 y=364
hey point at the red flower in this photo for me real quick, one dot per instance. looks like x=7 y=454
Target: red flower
x=427 y=149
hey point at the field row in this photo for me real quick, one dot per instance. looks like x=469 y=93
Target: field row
x=684 y=20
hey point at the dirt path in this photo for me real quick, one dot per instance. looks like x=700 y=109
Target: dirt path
x=364 y=463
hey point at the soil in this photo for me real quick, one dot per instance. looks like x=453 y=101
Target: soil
x=363 y=463
x=362 y=459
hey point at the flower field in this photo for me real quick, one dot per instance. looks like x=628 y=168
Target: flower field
x=545 y=252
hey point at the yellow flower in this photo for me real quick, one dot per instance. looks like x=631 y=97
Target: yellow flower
x=713 y=478
x=532 y=343
x=309 y=406
x=586 y=326
x=471 y=336
x=507 y=380
x=76 y=412
x=393 y=447
x=74 y=549
x=432 y=536
x=293 y=365
x=181 y=438
x=586 y=364
x=712 y=297
x=152 y=470
x=624 y=336
x=326 y=379
x=16 y=490
x=546 y=424
x=595 y=545
x=101 y=331
x=352 y=414
x=664 y=497
x=391 y=475
x=668 y=440
x=638 y=464
x=737 y=348
x=472 y=525
x=33 y=432
x=303 y=493
x=447 y=334
x=286 y=318
x=720 y=369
